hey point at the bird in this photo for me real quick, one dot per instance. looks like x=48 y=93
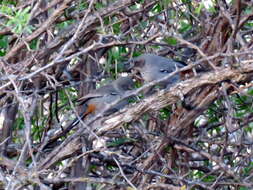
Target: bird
x=153 y=67
x=97 y=100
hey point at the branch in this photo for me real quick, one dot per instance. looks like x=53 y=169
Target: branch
x=164 y=98
x=160 y=100
x=37 y=32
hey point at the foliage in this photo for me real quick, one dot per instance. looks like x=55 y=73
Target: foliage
x=196 y=134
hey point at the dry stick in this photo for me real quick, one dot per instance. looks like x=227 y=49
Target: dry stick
x=84 y=179
x=5 y=85
x=183 y=69
x=132 y=162
x=72 y=40
x=74 y=37
x=168 y=76
x=197 y=48
x=50 y=5
x=27 y=112
x=244 y=19
x=39 y=31
x=28 y=76
x=192 y=66
x=47 y=160
x=100 y=46
x=162 y=186
x=217 y=180
x=160 y=100
x=177 y=178
x=135 y=93
x=94 y=46
x=4 y=141
x=163 y=98
x=69 y=164
x=122 y=173
x=212 y=158
x=176 y=129
x=234 y=27
x=35 y=9
x=27 y=136
x=91 y=19
x=229 y=115
x=3 y=177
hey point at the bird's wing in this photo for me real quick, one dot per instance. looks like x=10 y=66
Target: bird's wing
x=87 y=97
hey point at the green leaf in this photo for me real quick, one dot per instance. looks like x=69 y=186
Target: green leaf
x=3 y=42
x=19 y=124
x=116 y=28
x=170 y=40
x=244 y=188
x=199 y=8
x=209 y=178
x=164 y=113
x=166 y=2
x=33 y=44
x=250 y=90
x=83 y=5
x=184 y=26
x=8 y=2
x=186 y=1
x=64 y=25
x=99 y=5
x=120 y=141
x=7 y=10
x=157 y=8
x=18 y=22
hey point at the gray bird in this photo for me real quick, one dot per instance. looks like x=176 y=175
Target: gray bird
x=153 y=67
x=96 y=101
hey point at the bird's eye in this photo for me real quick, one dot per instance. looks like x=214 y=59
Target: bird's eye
x=113 y=93
x=164 y=71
